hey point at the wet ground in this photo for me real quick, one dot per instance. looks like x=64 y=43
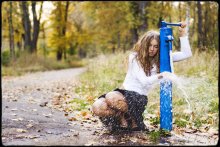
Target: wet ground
x=30 y=116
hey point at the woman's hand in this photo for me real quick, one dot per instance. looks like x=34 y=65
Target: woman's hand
x=182 y=31
x=165 y=75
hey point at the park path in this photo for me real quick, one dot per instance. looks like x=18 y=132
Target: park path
x=30 y=117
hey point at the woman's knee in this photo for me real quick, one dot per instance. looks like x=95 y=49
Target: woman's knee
x=116 y=100
x=100 y=108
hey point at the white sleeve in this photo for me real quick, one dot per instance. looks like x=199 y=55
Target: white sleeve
x=185 y=50
x=138 y=72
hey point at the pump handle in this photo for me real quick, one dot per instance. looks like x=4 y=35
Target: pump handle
x=164 y=24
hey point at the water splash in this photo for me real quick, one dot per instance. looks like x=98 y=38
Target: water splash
x=178 y=81
x=180 y=84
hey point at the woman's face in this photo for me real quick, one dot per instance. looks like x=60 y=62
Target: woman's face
x=153 y=48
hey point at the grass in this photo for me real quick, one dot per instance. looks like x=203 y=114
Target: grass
x=199 y=80
x=104 y=74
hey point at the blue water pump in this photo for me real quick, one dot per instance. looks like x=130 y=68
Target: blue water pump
x=166 y=64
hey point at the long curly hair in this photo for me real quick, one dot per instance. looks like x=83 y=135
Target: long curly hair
x=142 y=49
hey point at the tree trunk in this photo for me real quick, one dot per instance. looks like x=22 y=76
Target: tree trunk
x=180 y=11
x=65 y=24
x=44 y=40
x=142 y=12
x=161 y=15
x=11 y=32
x=134 y=7
x=19 y=41
x=134 y=33
x=194 y=24
x=27 y=26
x=188 y=18
x=36 y=27
x=205 y=39
x=118 y=40
x=113 y=49
x=59 y=55
x=124 y=44
x=60 y=31
x=199 y=25
x=62 y=27
x=82 y=54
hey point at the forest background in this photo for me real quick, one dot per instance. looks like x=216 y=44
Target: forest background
x=66 y=30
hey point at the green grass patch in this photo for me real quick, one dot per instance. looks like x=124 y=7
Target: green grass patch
x=157 y=134
x=104 y=74
x=78 y=104
x=154 y=135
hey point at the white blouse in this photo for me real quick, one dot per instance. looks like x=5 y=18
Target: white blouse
x=136 y=79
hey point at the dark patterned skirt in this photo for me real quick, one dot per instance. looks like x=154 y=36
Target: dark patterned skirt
x=136 y=106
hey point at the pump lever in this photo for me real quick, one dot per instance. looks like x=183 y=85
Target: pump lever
x=164 y=24
x=174 y=24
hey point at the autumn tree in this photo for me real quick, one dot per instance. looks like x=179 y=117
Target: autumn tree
x=30 y=39
x=11 y=31
x=59 y=21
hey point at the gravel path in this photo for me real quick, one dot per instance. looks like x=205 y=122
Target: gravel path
x=26 y=119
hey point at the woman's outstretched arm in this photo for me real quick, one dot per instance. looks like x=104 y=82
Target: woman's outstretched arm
x=185 y=49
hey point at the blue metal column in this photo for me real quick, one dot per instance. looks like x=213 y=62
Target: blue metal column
x=166 y=37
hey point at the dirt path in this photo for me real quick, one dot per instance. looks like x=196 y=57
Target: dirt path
x=29 y=118
x=26 y=117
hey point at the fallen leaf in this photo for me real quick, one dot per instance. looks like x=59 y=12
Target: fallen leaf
x=30 y=121
x=32 y=136
x=29 y=125
x=190 y=130
x=20 y=119
x=36 y=140
x=133 y=139
x=23 y=110
x=49 y=132
x=19 y=136
x=21 y=130
x=15 y=109
x=13 y=114
x=47 y=115
x=75 y=133
x=72 y=119
x=83 y=113
x=90 y=143
x=43 y=104
x=17 y=119
x=34 y=110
